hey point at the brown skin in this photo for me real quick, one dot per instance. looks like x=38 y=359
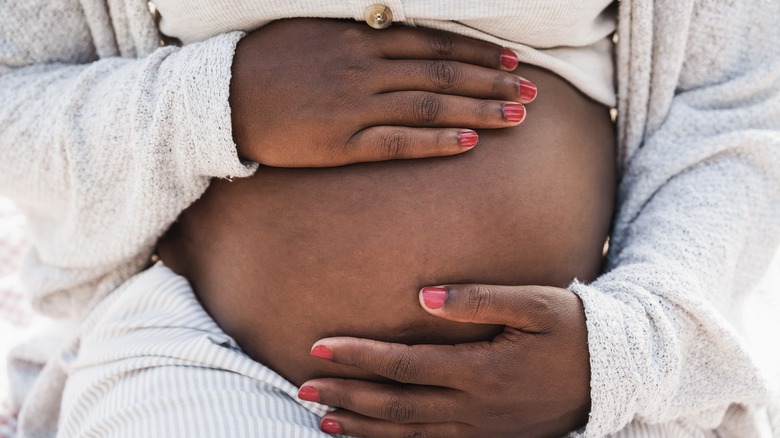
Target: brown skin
x=520 y=384
x=291 y=256
x=351 y=94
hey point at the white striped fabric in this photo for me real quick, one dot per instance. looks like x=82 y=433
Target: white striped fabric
x=152 y=363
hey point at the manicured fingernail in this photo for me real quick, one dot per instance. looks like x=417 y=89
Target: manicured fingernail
x=509 y=60
x=309 y=393
x=434 y=297
x=528 y=90
x=514 y=112
x=330 y=426
x=322 y=352
x=468 y=139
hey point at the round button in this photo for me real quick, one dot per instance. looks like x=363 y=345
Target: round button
x=379 y=16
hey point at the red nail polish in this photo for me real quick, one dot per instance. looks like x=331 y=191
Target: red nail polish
x=330 y=426
x=322 y=352
x=309 y=393
x=434 y=297
x=509 y=60
x=528 y=90
x=514 y=112
x=468 y=139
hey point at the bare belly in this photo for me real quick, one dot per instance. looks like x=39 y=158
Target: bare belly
x=289 y=256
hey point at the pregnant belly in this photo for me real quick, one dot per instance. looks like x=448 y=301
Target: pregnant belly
x=289 y=256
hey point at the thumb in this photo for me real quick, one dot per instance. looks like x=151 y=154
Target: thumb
x=527 y=308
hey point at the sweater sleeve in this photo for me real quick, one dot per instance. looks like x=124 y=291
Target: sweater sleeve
x=103 y=153
x=697 y=224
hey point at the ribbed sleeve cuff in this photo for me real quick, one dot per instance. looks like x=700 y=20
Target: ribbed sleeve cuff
x=615 y=380
x=211 y=149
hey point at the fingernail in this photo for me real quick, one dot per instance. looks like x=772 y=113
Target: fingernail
x=322 y=352
x=330 y=426
x=468 y=139
x=514 y=112
x=309 y=393
x=528 y=90
x=509 y=60
x=434 y=297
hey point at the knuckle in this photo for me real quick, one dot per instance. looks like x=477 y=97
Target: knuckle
x=357 y=36
x=544 y=310
x=441 y=140
x=478 y=300
x=442 y=74
x=342 y=399
x=400 y=410
x=347 y=103
x=442 y=44
x=501 y=85
x=396 y=143
x=541 y=305
x=497 y=84
x=351 y=33
x=353 y=70
x=402 y=368
x=427 y=108
x=486 y=110
x=354 y=67
x=333 y=149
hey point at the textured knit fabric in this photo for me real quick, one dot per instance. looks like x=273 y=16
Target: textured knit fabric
x=102 y=148
x=568 y=37
x=105 y=137
x=149 y=361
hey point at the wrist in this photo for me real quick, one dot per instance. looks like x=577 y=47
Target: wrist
x=207 y=148
x=615 y=380
x=238 y=93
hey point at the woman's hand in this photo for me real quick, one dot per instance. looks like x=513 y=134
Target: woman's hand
x=532 y=380
x=312 y=93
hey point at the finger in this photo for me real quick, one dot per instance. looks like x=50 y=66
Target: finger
x=457 y=78
x=527 y=308
x=425 y=109
x=355 y=425
x=408 y=43
x=438 y=365
x=396 y=403
x=396 y=142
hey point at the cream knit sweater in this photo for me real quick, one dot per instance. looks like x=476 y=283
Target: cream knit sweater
x=101 y=145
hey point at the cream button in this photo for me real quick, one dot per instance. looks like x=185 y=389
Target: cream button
x=379 y=16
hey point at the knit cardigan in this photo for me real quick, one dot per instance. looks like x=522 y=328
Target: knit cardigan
x=105 y=137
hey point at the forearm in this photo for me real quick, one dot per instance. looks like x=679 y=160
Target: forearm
x=697 y=212
x=102 y=155
x=663 y=322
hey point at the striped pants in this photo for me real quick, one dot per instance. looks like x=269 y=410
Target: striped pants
x=152 y=363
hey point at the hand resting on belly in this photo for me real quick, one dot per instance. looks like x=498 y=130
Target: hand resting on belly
x=290 y=256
